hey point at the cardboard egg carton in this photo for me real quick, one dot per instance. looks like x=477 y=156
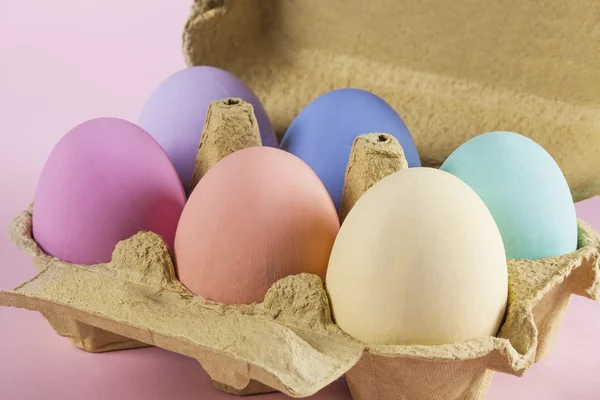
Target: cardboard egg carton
x=289 y=342
x=452 y=70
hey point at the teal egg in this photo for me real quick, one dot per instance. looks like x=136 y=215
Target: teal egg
x=524 y=189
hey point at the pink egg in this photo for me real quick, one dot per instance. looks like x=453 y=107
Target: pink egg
x=258 y=215
x=104 y=181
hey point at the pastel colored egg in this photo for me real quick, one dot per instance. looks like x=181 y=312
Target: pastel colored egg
x=418 y=260
x=524 y=189
x=175 y=112
x=323 y=132
x=104 y=181
x=258 y=215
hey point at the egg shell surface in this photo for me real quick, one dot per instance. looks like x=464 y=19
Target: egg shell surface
x=258 y=215
x=175 y=112
x=524 y=189
x=418 y=260
x=104 y=181
x=323 y=133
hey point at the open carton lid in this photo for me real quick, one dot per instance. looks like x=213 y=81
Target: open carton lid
x=452 y=71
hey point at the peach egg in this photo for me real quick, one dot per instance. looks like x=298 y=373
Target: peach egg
x=258 y=215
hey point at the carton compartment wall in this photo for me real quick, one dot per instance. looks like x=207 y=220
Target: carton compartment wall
x=289 y=342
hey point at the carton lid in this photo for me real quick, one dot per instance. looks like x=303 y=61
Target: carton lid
x=451 y=70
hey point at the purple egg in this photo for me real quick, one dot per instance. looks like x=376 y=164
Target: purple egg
x=104 y=181
x=175 y=113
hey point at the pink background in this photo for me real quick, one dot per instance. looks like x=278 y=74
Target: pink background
x=64 y=62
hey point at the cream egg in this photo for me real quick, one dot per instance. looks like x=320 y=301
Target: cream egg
x=418 y=260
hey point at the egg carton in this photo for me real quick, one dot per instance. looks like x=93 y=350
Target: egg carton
x=289 y=342
x=451 y=70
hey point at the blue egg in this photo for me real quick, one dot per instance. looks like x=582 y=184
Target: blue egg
x=323 y=133
x=523 y=188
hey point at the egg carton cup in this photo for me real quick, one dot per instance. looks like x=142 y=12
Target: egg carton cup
x=289 y=342
x=451 y=70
